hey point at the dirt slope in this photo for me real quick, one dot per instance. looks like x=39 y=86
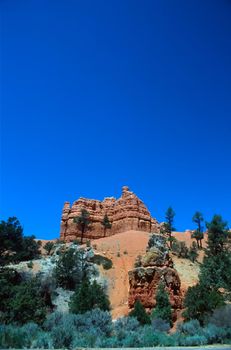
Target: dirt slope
x=123 y=249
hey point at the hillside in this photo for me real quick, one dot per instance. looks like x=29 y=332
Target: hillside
x=123 y=249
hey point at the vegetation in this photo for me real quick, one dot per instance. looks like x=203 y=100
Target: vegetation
x=106 y=224
x=198 y=233
x=163 y=307
x=202 y=299
x=48 y=247
x=14 y=247
x=27 y=319
x=89 y=296
x=83 y=222
x=140 y=313
x=71 y=269
x=168 y=225
x=102 y=260
x=193 y=253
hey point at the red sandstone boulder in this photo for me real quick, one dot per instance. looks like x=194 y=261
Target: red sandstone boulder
x=126 y=213
x=155 y=267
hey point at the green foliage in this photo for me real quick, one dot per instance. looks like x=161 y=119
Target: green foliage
x=198 y=233
x=193 y=253
x=83 y=222
x=27 y=303
x=102 y=260
x=160 y=325
x=13 y=246
x=30 y=265
x=140 y=313
x=222 y=317
x=216 y=267
x=48 y=247
x=168 y=225
x=217 y=236
x=180 y=249
x=163 y=306
x=71 y=268
x=200 y=301
x=89 y=296
x=106 y=224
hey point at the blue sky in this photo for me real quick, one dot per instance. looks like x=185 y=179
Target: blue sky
x=100 y=94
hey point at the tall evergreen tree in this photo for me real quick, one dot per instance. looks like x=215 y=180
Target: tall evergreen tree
x=163 y=306
x=106 y=224
x=168 y=226
x=198 y=233
x=140 y=313
x=83 y=222
x=89 y=296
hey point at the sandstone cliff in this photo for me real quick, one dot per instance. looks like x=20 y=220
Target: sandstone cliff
x=126 y=213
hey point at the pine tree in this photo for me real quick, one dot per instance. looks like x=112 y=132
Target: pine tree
x=106 y=223
x=163 y=306
x=89 y=296
x=83 y=222
x=193 y=254
x=198 y=233
x=168 y=225
x=140 y=313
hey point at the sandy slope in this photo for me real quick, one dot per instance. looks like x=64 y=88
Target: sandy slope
x=123 y=249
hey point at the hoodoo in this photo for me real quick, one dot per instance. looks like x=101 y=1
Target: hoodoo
x=126 y=213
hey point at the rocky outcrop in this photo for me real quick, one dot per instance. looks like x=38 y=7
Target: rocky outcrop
x=126 y=213
x=155 y=267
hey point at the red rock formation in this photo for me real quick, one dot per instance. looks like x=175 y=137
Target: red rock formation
x=126 y=213
x=155 y=267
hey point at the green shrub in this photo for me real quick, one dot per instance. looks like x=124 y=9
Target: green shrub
x=30 y=265
x=89 y=296
x=160 y=325
x=189 y=328
x=11 y=337
x=195 y=340
x=102 y=260
x=163 y=306
x=71 y=268
x=43 y=340
x=222 y=317
x=48 y=247
x=62 y=336
x=140 y=313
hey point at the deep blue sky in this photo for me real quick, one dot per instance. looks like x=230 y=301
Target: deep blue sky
x=100 y=94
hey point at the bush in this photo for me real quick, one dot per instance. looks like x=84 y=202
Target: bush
x=140 y=313
x=163 y=306
x=71 y=269
x=189 y=328
x=48 y=247
x=160 y=325
x=42 y=341
x=102 y=260
x=87 y=297
x=200 y=301
x=62 y=336
x=222 y=317
x=11 y=337
x=180 y=249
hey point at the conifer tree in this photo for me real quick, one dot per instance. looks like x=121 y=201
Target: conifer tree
x=168 y=225
x=198 y=233
x=163 y=306
x=83 y=222
x=140 y=313
x=106 y=224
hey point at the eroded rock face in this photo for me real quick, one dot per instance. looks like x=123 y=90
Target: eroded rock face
x=155 y=267
x=126 y=213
